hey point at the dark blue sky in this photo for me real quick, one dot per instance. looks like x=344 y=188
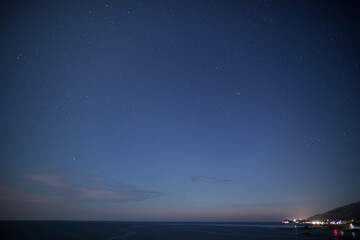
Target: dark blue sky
x=178 y=110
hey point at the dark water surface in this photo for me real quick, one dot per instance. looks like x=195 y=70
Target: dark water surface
x=159 y=230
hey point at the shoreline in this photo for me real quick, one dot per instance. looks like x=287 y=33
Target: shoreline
x=332 y=227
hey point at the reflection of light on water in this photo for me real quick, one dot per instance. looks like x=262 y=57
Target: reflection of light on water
x=342 y=233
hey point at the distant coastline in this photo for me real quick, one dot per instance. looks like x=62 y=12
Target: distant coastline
x=345 y=218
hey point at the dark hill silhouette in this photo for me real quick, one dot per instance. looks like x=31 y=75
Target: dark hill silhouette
x=347 y=212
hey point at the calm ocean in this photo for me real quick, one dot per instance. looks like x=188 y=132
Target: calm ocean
x=159 y=230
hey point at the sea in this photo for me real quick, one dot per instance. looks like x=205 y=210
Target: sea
x=163 y=230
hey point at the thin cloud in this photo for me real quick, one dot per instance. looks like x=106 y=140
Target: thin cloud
x=209 y=180
x=127 y=188
x=73 y=189
x=10 y=193
x=95 y=194
x=46 y=180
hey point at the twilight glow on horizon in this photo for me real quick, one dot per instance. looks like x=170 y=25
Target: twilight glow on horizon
x=178 y=110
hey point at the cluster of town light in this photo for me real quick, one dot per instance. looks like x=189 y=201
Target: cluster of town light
x=328 y=222
x=304 y=221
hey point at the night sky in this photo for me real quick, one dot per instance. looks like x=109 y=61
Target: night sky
x=178 y=110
